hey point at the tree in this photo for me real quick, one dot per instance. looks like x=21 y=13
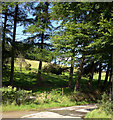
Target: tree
x=100 y=71
x=13 y=44
x=78 y=30
x=105 y=32
x=13 y=15
x=63 y=43
x=4 y=30
x=7 y=34
x=41 y=30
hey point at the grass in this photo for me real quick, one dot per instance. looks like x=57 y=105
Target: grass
x=97 y=113
x=27 y=80
x=66 y=102
x=34 y=64
x=34 y=107
x=55 y=98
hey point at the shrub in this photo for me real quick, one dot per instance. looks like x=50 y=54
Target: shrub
x=106 y=104
x=52 y=68
x=55 y=69
x=12 y=95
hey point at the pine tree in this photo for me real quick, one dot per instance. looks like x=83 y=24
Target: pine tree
x=13 y=14
x=13 y=45
x=41 y=30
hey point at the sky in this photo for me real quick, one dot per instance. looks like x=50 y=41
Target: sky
x=19 y=32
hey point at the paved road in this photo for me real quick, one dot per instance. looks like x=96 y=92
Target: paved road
x=64 y=112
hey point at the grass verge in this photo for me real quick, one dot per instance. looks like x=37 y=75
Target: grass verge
x=97 y=113
x=33 y=107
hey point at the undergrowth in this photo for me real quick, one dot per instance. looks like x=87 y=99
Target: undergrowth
x=104 y=110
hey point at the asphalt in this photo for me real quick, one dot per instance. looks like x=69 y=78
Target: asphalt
x=64 y=112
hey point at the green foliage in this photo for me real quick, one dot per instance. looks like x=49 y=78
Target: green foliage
x=53 y=68
x=38 y=54
x=48 y=97
x=40 y=28
x=106 y=104
x=97 y=115
x=105 y=108
x=49 y=93
x=22 y=97
x=12 y=95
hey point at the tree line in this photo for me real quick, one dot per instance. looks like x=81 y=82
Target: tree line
x=84 y=38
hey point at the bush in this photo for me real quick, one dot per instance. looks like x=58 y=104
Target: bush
x=12 y=95
x=55 y=69
x=21 y=97
x=106 y=104
x=52 y=96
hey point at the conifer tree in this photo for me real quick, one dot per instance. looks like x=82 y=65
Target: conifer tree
x=41 y=30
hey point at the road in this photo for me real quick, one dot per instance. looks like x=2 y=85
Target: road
x=64 y=112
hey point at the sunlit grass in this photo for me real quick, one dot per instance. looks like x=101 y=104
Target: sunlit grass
x=40 y=107
x=97 y=114
x=102 y=76
x=34 y=63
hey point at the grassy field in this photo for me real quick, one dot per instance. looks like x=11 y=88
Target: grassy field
x=56 y=86
x=34 y=64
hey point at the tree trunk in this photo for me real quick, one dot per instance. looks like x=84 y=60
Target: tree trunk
x=40 y=63
x=99 y=77
x=45 y=21
x=71 y=73
x=13 y=45
x=106 y=77
x=4 y=30
x=55 y=61
x=110 y=76
x=80 y=74
x=91 y=74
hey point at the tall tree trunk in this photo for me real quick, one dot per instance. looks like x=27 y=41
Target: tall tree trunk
x=80 y=74
x=4 y=31
x=40 y=63
x=71 y=72
x=99 y=77
x=110 y=76
x=55 y=61
x=45 y=21
x=71 y=76
x=91 y=74
x=13 y=45
x=106 y=77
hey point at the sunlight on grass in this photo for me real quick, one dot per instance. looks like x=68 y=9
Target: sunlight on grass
x=34 y=63
x=103 y=74
x=35 y=107
x=97 y=114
